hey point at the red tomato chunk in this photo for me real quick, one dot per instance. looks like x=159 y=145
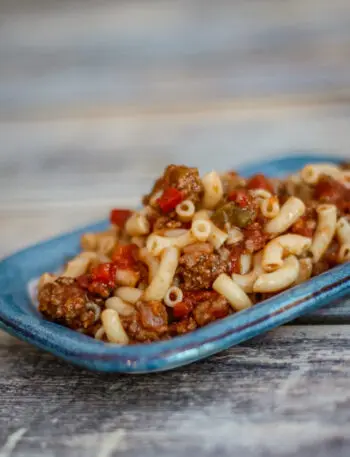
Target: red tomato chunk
x=241 y=198
x=125 y=256
x=170 y=198
x=259 y=181
x=120 y=216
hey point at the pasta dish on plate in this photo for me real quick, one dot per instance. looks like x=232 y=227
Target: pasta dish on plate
x=199 y=250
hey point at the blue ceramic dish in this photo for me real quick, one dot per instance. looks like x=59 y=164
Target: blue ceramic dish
x=19 y=317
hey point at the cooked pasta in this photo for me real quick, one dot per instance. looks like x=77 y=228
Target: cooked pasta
x=270 y=207
x=200 y=250
x=213 y=190
x=217 y=237
x=279 y=279
x=201 y=229
x=128 y=294
x=289 y=213
x=79 y=265
x=113 y=327
x=122 y=308
x=137 y=225
x=343 y=230
x=311 y=173
x=326 y=226
x=173 y=296
x=344 y=253
x=164 y=276
x=276 y=249
x=245 y=263
x=234 y=294
x=100 y=333
x=152 y=262
x=235 y=236
x=185 y=210
x=156 y=243
x=246 y=281
x=305 y=270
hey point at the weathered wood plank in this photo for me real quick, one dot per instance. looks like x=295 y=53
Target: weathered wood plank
x=85 y=55
x=283 y=394
x=106 y=159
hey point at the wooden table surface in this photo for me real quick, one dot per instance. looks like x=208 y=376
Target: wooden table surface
x=95 y=99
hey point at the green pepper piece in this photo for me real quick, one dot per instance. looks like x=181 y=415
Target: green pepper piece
x=234 y=215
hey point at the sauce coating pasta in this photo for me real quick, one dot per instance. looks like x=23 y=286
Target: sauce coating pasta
x=200 y=249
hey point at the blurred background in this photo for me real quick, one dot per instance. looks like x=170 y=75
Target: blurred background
x=96 y=97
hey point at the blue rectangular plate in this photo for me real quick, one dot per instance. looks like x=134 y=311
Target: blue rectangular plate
x=19 y=317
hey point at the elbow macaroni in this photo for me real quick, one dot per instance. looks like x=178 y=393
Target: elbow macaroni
x=289 y=213
x=280 y=279
x=325 y=230
x=275 y=250
x=164 y=276
x=213 y=190
x=234 y=294
x=311 y=173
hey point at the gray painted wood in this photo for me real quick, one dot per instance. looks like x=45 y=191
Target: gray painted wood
x=83 y=56
x=281 y=395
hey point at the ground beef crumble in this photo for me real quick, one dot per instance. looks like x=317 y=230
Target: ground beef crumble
x=148 y=323
x=199 y=269
x=64 y=301
x=210 y=310
x=184 y=179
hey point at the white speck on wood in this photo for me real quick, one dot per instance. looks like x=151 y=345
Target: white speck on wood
x=104 y=444
x=112 y=441
x=11 y=442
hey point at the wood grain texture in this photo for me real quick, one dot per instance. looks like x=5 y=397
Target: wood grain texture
x=63 y=56
x=283 y=394
x=116 y=158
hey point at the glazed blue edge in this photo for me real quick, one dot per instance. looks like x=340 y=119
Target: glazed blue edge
x=19 y=318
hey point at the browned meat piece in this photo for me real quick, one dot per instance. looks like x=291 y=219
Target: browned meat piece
x=66 y=302
x=199 y=268
x=306 y=224
x=182 y=178
x=182 y=327
x=149 y=323
x=166 y=223
x=212 y=309
x=254 y=237
x=328 y=260
x=329 y=190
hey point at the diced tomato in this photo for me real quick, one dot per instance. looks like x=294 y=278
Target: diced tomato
x=105 y=272
x=304 y=226
x=259 y=181
x=120 y=216
x=330 y=190
x=182 y=309
x=100 y=281
x=190 y=300
x=241 y=198
x=197 y=296
x=125 y=256
x=234 y=259
x=170 y=198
